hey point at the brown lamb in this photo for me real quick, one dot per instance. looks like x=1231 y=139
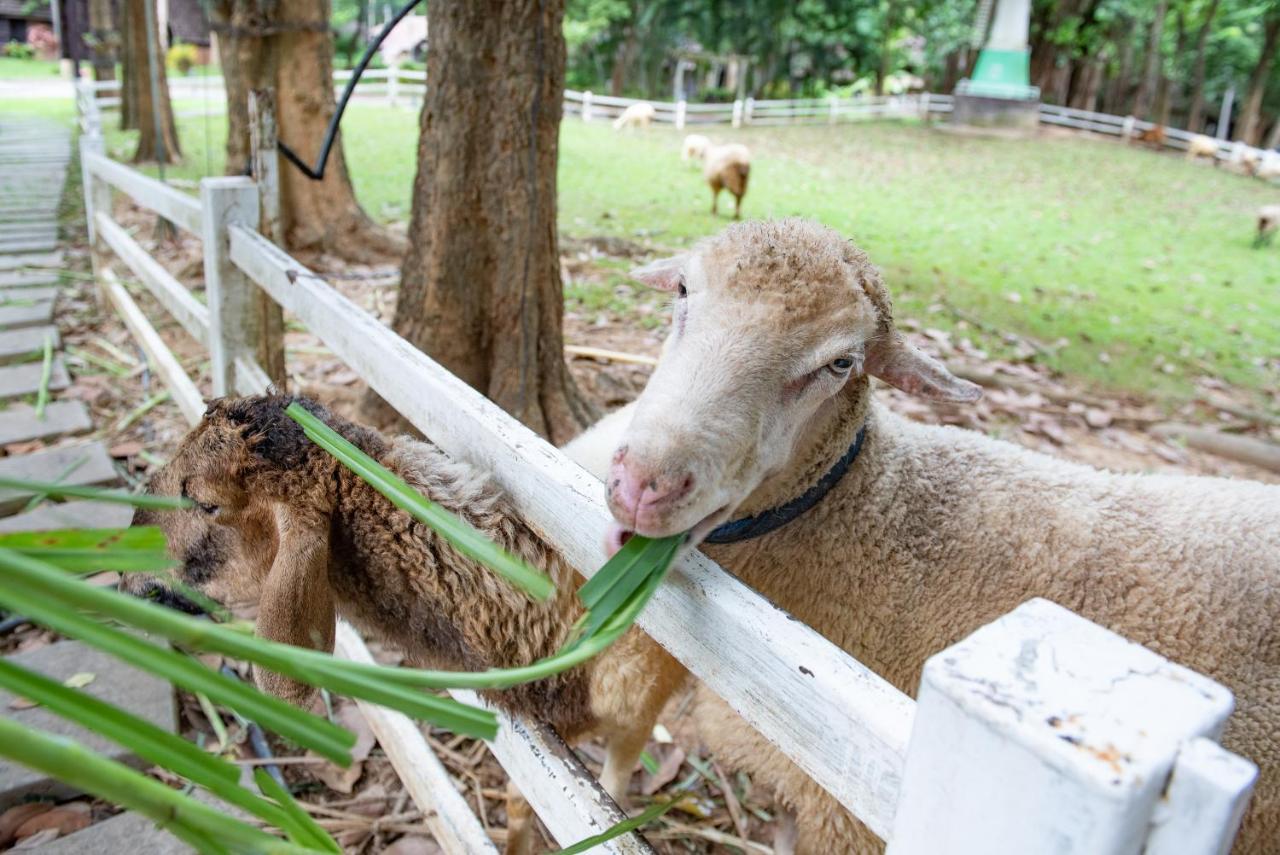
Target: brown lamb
x=279 y=522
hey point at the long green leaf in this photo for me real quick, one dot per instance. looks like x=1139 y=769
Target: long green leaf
x=46 y=373
x=651 y=813
x=208 y=829
x=632 y=570
x=87 y=549
x=302 y=829
x=49 y=597
x=70 y=491
x=458 y=532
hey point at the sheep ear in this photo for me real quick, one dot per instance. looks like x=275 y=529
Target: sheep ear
x=296 y=606
x=897 y=363
x=663 y=274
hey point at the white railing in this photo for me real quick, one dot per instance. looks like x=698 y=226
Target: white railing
x=980 y=758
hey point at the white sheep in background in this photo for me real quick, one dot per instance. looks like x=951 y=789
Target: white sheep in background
x=638 y=115
x=695 y=146
x=1202 y=146
x=727 y=167
x=763 y=391
x=1268 y=224
x=1268 y=167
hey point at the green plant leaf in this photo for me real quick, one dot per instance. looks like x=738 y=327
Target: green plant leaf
x=302 y=829
x=464 y=537
x=650 y=813
x=86 y=549
x=70 y=491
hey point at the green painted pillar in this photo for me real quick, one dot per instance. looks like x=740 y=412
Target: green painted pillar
x=1003 y=68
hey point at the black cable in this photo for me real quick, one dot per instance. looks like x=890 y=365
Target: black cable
x=317 y=174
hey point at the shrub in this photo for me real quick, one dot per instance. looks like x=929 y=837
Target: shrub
x=18 y=50
x=182 y=57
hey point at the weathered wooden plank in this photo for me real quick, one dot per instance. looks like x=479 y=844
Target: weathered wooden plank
x=446 y=813
x=1204 y=803
x=24 y=379
x=26 y=344
x=84 y=465
x=15 y=314
x=838 y=720
x=19 y=423
x=85 y=514
x=176 y=299
x=173 y=205
x=184 y=392
x=566 y=797
x=235 y=312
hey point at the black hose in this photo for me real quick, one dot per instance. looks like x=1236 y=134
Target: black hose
x=317 y=174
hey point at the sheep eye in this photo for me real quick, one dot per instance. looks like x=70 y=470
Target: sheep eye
x=841 y=365
x=206 y=508
x=681 y=291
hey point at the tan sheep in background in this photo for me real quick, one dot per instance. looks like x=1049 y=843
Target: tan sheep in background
x=1268 y=224
x=638 y=115
x=1202 y=146
x=694 y=147
x=727 y=167
x=933 y=532
x=282 y=524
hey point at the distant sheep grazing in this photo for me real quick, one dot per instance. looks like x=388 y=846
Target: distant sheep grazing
x=1268 y=224
x=727 y=167
x=695 y=147
x=279 y=522
x=1202 y=146
x=1153 y=136
x=638 y=115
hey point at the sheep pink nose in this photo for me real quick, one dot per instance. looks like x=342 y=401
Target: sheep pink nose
x=639 y=499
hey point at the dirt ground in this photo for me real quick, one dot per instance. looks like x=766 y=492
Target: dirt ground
x=366 y=807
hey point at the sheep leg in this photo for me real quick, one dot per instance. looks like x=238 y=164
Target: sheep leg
x=737 y=206
x=621 y=759
x=784 y=837
x=715 y=199
x=520 y=823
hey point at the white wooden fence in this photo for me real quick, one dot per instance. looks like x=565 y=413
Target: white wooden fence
x=1023 y=740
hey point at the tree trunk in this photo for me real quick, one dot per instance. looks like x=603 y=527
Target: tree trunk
x=1249 y=128
x=1170 y=88
x=106 y=40
x=1273 y=138
x=1151 y=69
x=1195 y=113
x=886 y=47
x=480 y=289
x=157 y=137
x=285 y=45
x=1118 y=89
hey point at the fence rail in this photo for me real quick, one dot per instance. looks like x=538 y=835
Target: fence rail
x=887 y=758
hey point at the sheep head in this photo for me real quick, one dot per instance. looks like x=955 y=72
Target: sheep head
x=258 y=530
x=773 y=323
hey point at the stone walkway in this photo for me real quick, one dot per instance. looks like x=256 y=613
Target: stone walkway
x=34 y=157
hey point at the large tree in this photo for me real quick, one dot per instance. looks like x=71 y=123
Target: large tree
x=285 y=45
x=480 y=289
x=1249 y=127
x=1149 y=81
x=1195 y=112
x=145 y=94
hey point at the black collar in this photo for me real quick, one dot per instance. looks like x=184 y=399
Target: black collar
x=764 y=522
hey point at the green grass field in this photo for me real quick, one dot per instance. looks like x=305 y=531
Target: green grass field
x=27 y=69
x=1133 y=269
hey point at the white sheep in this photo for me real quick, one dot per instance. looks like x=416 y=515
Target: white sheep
x=695 y=146
x=763 y=390
x=638 y=115
x=1268 y=224
x=281 y=523
x=727 y=167
x=1202 y=146
x=1268 y=167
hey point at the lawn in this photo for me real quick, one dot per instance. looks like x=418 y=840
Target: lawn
x=1130 y=270
x=27 y=69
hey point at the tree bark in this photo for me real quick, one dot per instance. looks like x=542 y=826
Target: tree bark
x=106 y=40
x=286 y=46
x=1170 y=88
x=886 y=47
x=1142 y=101
x=1195 y=112
x=1249 y=128
x=157 y=136
x=1119 y=86
x=480 y=289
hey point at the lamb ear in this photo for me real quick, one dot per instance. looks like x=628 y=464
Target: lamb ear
x=296 y=606
x=663 y=274
x=897 y=363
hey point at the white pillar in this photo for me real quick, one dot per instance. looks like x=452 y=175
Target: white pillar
x=234 y=316
x=1009 y=29
x=586 y=106
x=833 y=104
x=1043 y=732
x=682 y=107
x=1126 y=130
x=737 y=113
x=746 y=110
x=393 y=85
x=1224 y=115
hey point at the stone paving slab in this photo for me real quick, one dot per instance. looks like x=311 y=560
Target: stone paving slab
x=26 y=344
x=84 y=465
x=24 y=379
x=27 y=278
x=142 y=694
x=17 y=315
x=35 y=260
x=27 y=295
x=85 y=514
x=19 y=423
x=27 y=244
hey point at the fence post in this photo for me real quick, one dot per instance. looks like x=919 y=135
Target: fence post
x=737 y=113
x=924 y=106
x=97 y=197
x=586 y=106
x=393 y=85
x=264 y=155
x=235 y=320
x=746 y=110
x=682 y=107
x=1126 y=130
x=1043 y=732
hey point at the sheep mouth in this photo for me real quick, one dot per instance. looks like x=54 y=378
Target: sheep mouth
x=618 y=534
